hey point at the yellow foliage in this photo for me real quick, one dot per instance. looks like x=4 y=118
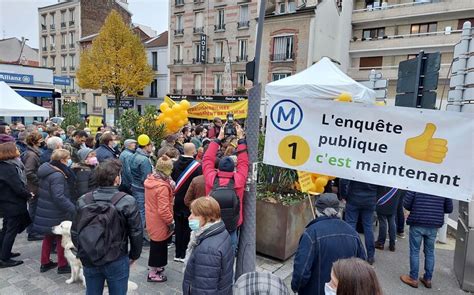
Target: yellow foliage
x=116 y=62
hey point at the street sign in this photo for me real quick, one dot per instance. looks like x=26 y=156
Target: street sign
x=203 y=48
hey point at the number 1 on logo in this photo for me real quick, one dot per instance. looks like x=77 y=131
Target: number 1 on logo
x=293 y=152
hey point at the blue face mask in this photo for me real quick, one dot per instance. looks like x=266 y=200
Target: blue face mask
x=40 y=129
x=63 y=137
x=194 y=224
x=69 y=163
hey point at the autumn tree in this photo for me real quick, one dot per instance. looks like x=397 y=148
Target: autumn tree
x=116 y=62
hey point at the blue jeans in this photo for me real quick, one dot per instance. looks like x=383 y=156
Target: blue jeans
x=116 y=273
x=367 y=216
x=428 y=235
x=400 y=215
x=139 y=195
x=383 y=219
x=234 y=238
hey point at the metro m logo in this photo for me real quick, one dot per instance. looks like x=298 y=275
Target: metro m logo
x=286 y=115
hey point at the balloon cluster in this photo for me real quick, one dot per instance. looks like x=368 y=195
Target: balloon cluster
x=344 y=97
x=174 y=117
x=319 y=182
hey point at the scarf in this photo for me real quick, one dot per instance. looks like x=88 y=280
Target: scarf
x=165 y=178
x=69 y=174
x=193 y=241
x=20 y=168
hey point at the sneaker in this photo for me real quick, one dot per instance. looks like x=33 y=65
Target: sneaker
x=170 y=245
x=409 y=281
x=379 y=246
x=176 y=259
x=14 y=254
x=48 y=266
x=64 y=269
x=425 y=282
x=371 y=260
x=401 y=235
x=10 y=263
x=392 y=248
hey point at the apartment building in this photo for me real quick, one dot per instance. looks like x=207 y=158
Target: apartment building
x=387 y=32
x=61 y=26
x=210 y=42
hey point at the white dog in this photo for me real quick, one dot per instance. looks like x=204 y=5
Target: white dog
x=64 y=230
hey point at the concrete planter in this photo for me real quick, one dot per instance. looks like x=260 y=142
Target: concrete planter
x=280 y=227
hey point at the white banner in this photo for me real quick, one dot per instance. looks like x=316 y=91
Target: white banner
x=415 y=149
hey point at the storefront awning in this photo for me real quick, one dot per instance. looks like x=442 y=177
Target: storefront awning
x=27 y=92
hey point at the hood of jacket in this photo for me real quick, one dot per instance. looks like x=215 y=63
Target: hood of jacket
x=47 y=169
x=154 y=180
x=215 y=229
x=34 y=150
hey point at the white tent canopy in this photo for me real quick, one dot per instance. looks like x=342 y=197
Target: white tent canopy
x=323 y=80
x=13 y=104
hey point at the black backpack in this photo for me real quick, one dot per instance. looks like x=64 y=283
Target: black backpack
x=229 y=203
x=100 y=231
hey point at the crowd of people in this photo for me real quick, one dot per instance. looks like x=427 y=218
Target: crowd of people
x=189 y=190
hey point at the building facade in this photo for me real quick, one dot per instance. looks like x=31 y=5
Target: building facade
x=386 y=33
x=210 y=43
x=16 y=51
x=61 y=26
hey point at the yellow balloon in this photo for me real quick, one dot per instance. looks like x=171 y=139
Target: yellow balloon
x=319 y=189
x=143 y=140
x=185 y=104
x=344 y=97
x=186 y=121
x=167 y=121
x=177 y=108
x=168 y=112
x=161 y=117
x=321 y=181
x=164 y=106
x=180 y=123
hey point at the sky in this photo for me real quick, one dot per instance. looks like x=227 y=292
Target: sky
x=19 y=18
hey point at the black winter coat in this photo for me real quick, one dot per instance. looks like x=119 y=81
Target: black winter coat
x=104 y=152
x=178 y=167
x=210 y=266
x=54 y=202
x=46 y=156
x=358 y=194
x=14 y=193
x=389 y=205
x=85 y=180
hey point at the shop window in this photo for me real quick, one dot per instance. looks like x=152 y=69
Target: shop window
x=373 y=62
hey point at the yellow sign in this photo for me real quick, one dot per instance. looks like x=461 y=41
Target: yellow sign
x=294 y=150
x=426 y=148
x=306 y=183
x=94 y=123
x=210 y=110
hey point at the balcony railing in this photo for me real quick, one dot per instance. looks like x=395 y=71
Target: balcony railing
x=72 y=68
x=196 y=91
x=72 y=45
x=43 y=27
x=198 y=1
x=52 y=27
x=179 y=3
x=385 y=5
x=219 y=28
x=178 y=61
x=177 y=91
x=218 y=60
x=52 y=48
x=196 y=60
x=198 y=30
x=282 y=57
x=446 y=32
x=63 y=46
x=243 y=24
x=71 y=23
x=63 y=69
x=241 y=58
x=63 y=25
x=217 y=91
x=179 y=32
x=97 y=110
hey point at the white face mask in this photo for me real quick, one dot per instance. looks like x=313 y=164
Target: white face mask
x=328 y=290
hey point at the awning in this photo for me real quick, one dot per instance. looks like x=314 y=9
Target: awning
x=27 y=92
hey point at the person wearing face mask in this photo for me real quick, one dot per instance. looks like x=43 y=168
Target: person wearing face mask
x=56 y=180
x=336 y=240
x=31 y=160
x=159 y=217
x=106 y=149
x=209 y=257
x=353 y=276
x=85 y=172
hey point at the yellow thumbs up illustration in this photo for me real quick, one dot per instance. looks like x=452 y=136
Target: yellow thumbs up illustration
x=426 y=148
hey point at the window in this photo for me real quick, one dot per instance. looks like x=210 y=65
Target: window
x=218 y=83
x=291 y=6
x=71 y=16
x=43 y=20
x=197 y=82
x=52 y=20
x=242 y=50
x=153 y=88
x=97 y=102
x=423 y=28
x=52 y=41
x=53 y=61
x=63 y=61
x=73 y=84
x=241 y=79
x=462 y=21
x=412 y=56
x=371 y=62
x=373 y=33
x=44 y=61
x=278 y=76
x=220 y=19
x=282 y=48
x=198 y=20
x=179 y=82
x=179 y=52
x=179 y=22
x=219 y=49
x=71 y=38
x=43 y=42
x=154 y=60
x=244 y=13
x=72 y=58
x=63 y=16
x=63 y=40
x=197 y=50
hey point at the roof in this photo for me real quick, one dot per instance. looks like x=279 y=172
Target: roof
x=10 y=49
x=146 y=29
x=88 y=38
x=159 y=41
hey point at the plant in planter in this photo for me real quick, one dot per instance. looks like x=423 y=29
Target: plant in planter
x=240 y=90
x=282 y=210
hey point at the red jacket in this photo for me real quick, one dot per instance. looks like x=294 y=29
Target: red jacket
x=158 y=208
x=240 y=176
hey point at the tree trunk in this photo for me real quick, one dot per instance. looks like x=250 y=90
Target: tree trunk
x=117 y=108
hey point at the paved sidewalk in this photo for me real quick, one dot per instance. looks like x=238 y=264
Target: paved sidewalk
x=26 y=279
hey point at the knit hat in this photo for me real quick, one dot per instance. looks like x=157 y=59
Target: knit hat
x=6 y=138
x=164 y=165
x=129 y=142
x=226 y=164
x=327 y=200
x=84 y=152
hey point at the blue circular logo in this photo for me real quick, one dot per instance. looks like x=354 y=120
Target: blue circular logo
x=286 y=115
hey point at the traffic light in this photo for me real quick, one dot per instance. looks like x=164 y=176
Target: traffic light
x=416 y=79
